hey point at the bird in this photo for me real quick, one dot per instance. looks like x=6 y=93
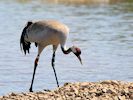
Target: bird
x=44 y=33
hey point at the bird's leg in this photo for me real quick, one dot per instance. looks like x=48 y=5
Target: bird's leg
x=35 y=66
x=53 y=60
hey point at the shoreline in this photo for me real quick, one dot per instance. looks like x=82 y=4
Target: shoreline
x=103 y=90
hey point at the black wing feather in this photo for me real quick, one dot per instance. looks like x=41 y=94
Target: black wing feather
x=25 y=45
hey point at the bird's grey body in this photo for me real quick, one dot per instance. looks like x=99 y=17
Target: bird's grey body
x=44 y=33
x=47 y=32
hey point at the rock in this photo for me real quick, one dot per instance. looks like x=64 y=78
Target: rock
x=12 y=94
x=111 y=91
x=131 y=96
x=121 y=98
x=105 y=90
x=66 y=84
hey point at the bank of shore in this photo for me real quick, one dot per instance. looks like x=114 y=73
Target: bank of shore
x=104 y=90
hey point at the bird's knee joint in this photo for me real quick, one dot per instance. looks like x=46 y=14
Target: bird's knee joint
x=36 y=61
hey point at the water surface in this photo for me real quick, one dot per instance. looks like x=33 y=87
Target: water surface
x=104 y=32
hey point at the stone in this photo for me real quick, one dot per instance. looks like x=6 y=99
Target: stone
x=121 y=97
x=105 y=90
x=13 y=94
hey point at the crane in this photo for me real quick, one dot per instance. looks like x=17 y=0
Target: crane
x=44 y=33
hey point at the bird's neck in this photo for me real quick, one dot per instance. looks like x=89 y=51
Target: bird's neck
x=66 y=51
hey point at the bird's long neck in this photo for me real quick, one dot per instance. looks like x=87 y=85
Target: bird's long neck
x=66 y=51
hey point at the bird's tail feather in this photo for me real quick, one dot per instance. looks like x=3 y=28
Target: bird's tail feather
x=25 y=45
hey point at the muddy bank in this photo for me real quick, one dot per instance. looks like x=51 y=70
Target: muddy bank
x=104 y=90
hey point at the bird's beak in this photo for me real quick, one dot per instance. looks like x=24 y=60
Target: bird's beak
x=80 y=59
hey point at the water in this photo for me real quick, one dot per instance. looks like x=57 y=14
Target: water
x=104 y=32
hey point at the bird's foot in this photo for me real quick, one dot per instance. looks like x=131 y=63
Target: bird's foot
x=58 y=84
x=30 y=90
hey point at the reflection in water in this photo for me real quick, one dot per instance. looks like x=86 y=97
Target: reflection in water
x=103 y=32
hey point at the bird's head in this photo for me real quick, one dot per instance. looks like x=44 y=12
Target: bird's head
x=77 y=52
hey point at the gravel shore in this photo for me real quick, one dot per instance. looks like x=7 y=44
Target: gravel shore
x=104 y=90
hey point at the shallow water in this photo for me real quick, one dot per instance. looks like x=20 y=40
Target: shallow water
x=104 y=32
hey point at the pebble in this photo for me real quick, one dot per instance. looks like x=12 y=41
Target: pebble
x=104 y=90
